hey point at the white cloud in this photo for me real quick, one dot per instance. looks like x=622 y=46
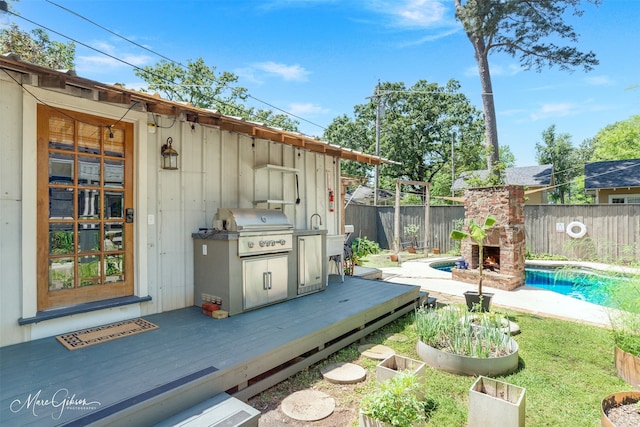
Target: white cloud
x=286 y=72
x=554 y=110
x=599 y=81
x=302 y=109
x=412 y=13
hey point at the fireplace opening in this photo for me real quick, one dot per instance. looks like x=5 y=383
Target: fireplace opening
x=490 y=255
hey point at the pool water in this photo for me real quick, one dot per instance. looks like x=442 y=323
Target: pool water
x=583 y=284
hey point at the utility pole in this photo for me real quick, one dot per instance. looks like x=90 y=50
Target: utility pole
x=377 y=172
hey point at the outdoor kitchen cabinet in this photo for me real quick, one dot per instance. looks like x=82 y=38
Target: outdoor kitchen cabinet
x=307 y=263
x=265 y=280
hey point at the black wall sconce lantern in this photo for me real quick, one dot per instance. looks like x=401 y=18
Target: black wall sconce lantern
x=169 y=156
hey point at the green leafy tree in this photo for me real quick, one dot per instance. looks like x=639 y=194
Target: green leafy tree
x=417 y=129
x=528 y=30
x=201 y=86
x=619 y=141
x=38 y=48
x=556 y=149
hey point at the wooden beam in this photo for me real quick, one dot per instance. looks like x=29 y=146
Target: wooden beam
x=161 y=108
x=114 y=97
x=51 y=80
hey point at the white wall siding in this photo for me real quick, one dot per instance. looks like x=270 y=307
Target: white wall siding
x=216 y=169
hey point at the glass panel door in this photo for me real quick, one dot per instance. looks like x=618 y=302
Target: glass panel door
x=84 y=189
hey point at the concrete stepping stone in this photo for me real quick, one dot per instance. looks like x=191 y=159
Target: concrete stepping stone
x=308 y=405
x=397 y=337
x=376 y=351
x=343 y=373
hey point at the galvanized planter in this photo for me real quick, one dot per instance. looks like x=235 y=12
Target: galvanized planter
x=465 y=365
x=367 y=421
x=614 y=400
x=494 y=403
x=628 y=367
x=395 y=363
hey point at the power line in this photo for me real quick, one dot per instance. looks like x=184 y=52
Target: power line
x=171 y=60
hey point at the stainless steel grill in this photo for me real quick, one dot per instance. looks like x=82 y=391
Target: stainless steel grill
x=261 y=231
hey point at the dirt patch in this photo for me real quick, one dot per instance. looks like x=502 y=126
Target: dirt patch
x=345 y=413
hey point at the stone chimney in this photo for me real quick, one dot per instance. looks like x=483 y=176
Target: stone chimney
x=505 y=246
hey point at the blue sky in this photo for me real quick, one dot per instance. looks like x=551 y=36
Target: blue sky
x=319 y=58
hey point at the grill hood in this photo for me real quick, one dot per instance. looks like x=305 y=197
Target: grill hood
x=245 y=219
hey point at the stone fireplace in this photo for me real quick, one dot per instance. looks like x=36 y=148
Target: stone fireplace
x=505 y=246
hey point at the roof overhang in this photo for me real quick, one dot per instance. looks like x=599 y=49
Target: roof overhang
x=52 y=79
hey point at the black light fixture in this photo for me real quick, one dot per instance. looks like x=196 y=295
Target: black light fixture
x=169 y=156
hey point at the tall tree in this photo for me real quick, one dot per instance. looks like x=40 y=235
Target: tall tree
x=557 y=150
x=38 y=48
x=619 y=141
x=525 y=29
x=201 y=86
x=418 y=126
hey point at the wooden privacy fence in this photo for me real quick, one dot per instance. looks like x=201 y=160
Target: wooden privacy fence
x=612 y=230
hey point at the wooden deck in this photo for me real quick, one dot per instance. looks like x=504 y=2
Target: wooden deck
x=146 y=378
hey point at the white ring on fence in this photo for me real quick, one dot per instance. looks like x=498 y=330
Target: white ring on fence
x=582 y=230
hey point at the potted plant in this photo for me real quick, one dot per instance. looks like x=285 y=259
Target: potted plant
x=496 y=403
x=477 y=233
x=457 y=341
x=396 y=402
x=411 y=231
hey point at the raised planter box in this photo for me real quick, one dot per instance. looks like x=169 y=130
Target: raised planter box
x=494 y=403
x=395 y=363
x=465 y=365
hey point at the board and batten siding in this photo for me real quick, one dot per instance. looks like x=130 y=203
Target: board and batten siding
x=216 y=169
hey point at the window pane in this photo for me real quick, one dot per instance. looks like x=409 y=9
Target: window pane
x=60 y=273
x=114 y=268
x=61 y=133
x=88 y=204
x=113 y=204
x=114 y=173
x=89 y=237
x=89 y=171
x=114 y=146
x=60 y=168
x=88 y=138
x=61 y=239
x=61 y=203
x=113 y=236
x=89 y=270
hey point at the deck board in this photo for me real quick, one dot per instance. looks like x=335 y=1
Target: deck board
x=228 y=352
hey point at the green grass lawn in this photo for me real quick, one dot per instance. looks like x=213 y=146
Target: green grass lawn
x=566 y=368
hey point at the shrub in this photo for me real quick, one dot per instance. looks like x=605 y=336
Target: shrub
x=397 y=401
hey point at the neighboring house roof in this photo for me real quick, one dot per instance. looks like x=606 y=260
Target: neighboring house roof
x=116 y=94
x=527 y=176
x=612 y=174
x=364 y=194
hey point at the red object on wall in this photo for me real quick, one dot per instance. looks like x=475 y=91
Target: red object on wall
x=332 y=201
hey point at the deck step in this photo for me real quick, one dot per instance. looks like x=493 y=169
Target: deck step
x=221 y=410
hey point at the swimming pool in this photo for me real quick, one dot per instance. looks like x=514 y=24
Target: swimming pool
x=580 y=283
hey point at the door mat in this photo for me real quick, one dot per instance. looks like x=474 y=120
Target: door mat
x=100 y=334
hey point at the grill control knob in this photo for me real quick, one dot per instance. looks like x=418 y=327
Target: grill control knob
x=272 y=242
x=282 y=242
x=250 y=244
x=262 y=243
